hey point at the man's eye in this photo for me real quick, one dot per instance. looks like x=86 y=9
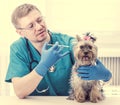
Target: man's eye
x=30 y=26
x=39 y=21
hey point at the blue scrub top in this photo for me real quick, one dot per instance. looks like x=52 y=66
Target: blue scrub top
x=55 y=83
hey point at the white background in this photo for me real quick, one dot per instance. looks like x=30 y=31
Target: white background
x=101 y=17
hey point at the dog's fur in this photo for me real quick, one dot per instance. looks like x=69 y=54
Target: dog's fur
x=85 y=53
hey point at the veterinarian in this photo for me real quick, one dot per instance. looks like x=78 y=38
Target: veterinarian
x=41 y=60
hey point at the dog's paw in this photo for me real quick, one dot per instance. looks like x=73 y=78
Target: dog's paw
x=70 y=98
x=95 y=99
x=80 y=97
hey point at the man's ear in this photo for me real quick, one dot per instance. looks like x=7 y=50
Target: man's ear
x=20 y=32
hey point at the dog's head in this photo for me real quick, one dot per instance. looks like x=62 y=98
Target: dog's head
x=85 y=51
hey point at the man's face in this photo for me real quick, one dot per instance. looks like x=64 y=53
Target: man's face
x=33 y=27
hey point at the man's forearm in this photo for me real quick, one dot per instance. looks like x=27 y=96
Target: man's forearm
x=23 y=86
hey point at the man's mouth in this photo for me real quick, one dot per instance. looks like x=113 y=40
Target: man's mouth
x=41 y=32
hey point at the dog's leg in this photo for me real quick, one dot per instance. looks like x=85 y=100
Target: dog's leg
x=71 y=95
x=80 y=95
x=77 y=94
x=95 y=94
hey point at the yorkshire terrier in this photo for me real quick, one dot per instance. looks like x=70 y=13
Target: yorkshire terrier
x=85 y=53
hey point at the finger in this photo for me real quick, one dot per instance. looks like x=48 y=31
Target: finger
x=84 y=67
x=59 y=50
x=85 y=78
x=98 y=61
x=66 y=53
x=83 y=75
x=55 y=46
x=83 y=71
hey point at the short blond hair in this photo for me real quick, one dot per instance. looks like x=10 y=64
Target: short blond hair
x=20 y=12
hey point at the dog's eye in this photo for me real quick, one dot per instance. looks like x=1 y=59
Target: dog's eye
x=81 y=47
x=90 y=47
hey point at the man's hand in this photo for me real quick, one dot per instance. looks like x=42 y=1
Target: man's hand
x=49 y=57
x=97 y=72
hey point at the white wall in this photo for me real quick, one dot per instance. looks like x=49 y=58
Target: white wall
x=67 y=16
x=74 y=15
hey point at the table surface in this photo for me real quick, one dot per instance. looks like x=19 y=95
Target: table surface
x=52 y=100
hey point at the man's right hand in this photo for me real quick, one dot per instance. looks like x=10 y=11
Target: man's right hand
x=49 y=58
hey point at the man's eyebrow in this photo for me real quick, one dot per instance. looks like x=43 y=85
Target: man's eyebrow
x=35 y=20
x=30 y=23
x=41 y=17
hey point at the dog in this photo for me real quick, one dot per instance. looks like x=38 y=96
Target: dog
x=85 y=53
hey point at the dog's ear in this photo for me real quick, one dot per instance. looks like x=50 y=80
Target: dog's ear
x=93 y=39
x=78 y=38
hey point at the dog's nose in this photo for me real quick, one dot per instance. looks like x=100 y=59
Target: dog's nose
x=85 y=53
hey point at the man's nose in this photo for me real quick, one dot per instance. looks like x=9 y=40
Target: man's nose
x=38 y=26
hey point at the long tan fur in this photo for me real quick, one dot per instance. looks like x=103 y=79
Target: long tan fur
x=85 y=53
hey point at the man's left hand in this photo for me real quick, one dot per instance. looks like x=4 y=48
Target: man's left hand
x=97 y=72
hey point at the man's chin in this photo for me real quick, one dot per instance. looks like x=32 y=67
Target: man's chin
x=41 y=39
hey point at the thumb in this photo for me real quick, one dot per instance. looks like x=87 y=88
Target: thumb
x=98 y=62
x=44 y=46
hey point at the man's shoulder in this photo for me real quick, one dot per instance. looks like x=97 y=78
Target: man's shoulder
x=18 y=43
x=61 y=35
